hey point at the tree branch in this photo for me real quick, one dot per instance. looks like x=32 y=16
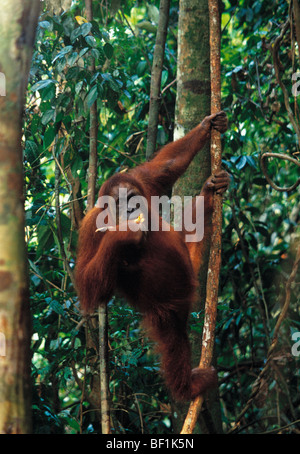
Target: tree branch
x=93 y=158
x=277 y=66
x=104 y=372
x=157 y=66
x=215 y=252
x=279 y=156
x=63 y=254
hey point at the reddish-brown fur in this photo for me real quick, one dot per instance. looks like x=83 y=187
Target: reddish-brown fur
x=155 y=271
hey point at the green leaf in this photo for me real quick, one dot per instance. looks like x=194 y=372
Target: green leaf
x=49 y=115
x=43 y=84
x=66 y=50
x=95 y=77
x=75 y=34
x=251 y=161
x=72 y=73
x=241 y=163
x=108 y=50
x=83 y=51
x=48 y=92
x=76 y=166
x=141 y=67
x=96 y=31
x=68 y=26
x=49 y=136
x=31 y=151
x=90 y=40
x=164 y=78
x=57 y=307
x=92 y=96
x=114 y=84
x=78 y=87
x=45 y=24
x=72 y=58
x=45 y=239
x=95 y=53
x=262 y=229
x=86 y=28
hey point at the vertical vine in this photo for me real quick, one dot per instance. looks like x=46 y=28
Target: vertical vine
x=215 y=250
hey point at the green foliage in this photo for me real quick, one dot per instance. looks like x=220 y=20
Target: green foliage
x=260 y=227
x=260 y=224
x=62 y=88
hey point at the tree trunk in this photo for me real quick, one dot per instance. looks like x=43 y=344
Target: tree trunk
x=193 y=98
x=104 y=370
x=93 y=157
x=99 y=386
x=18 y=22
x=192 y=105
x=214 y=263
x=157 y=66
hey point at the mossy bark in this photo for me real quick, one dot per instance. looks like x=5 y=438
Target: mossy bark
x=193 y=98
x=192 y=105
x=18 y=21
